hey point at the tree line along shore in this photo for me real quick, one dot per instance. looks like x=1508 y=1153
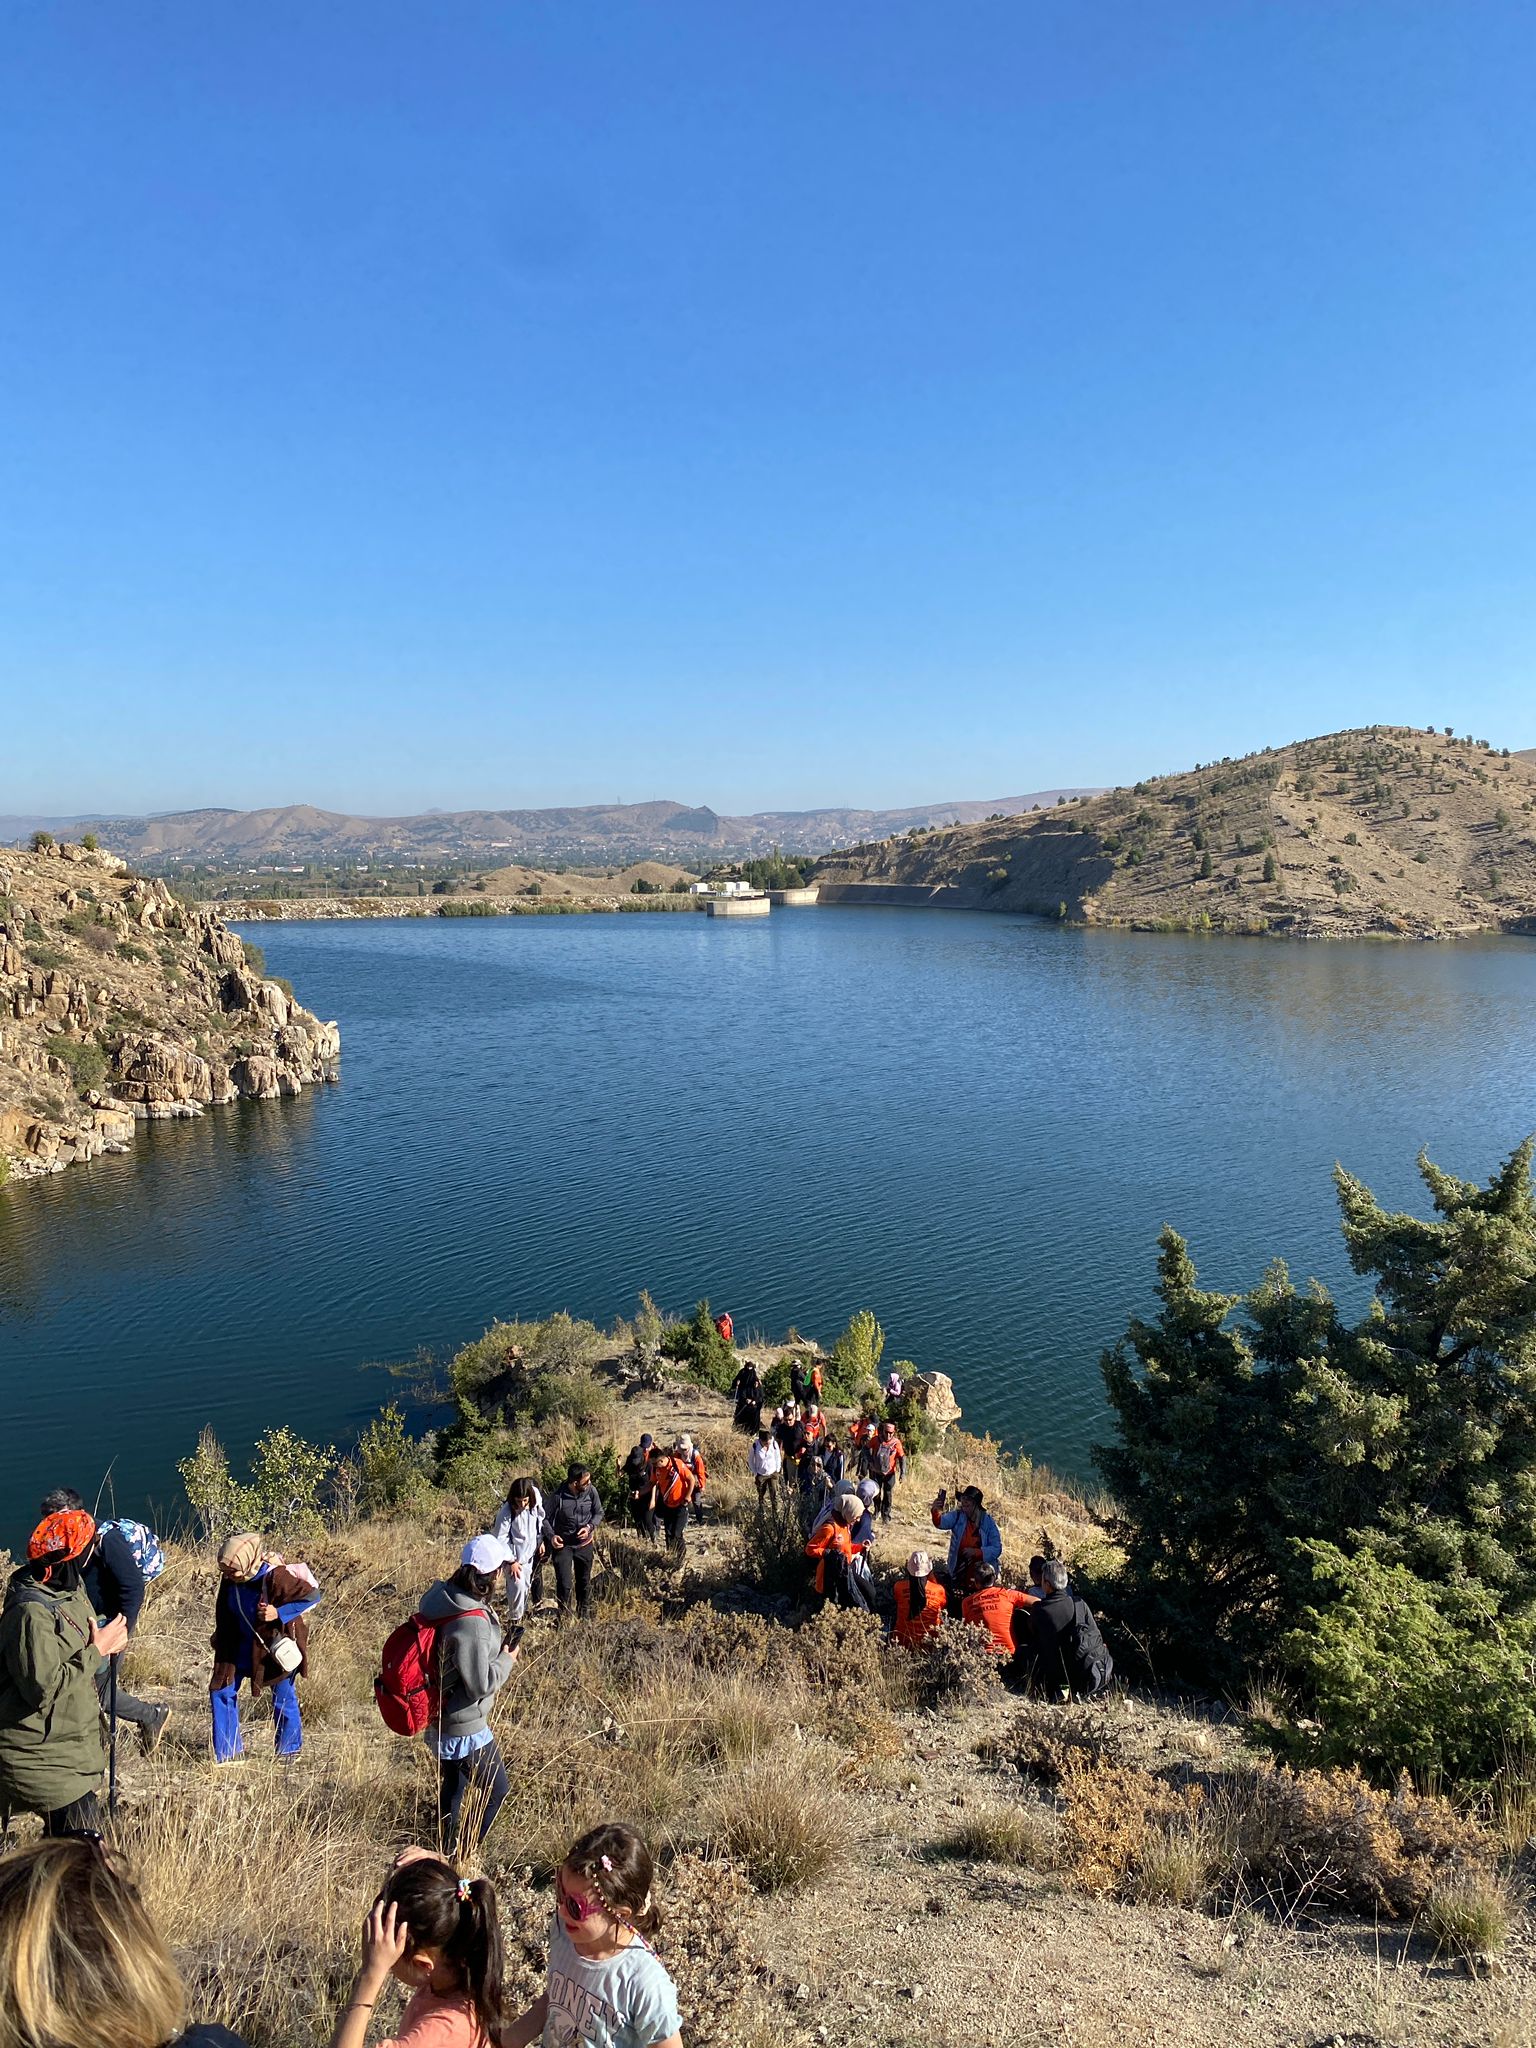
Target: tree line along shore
x=854 y=1838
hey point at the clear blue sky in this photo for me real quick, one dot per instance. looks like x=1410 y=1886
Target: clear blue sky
x=520 y=401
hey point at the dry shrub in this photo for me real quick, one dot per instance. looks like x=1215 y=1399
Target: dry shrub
x=1114 y=1815
x=1049 y=1743
x=955 y=1668
x=1023 y=1837
x=1332 y=1838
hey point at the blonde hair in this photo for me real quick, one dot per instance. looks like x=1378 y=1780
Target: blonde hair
x=82 y=1965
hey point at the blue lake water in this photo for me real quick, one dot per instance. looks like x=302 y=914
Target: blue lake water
x=973 y=1124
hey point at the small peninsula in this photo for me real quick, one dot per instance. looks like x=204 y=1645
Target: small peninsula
x=117 y=1002
x=1382 y=832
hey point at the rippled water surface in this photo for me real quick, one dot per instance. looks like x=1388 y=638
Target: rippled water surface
x=974 y=1125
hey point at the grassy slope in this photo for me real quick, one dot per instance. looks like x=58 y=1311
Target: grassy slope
x=931 y=1874
x=1130 y=858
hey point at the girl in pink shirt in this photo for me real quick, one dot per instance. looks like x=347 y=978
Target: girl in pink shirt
x=439 y=1935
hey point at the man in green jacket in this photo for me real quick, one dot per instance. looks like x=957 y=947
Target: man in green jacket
x=52 y=1748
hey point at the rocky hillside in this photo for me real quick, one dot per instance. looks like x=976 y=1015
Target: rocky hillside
x=118 y=1002
x=1389 y=830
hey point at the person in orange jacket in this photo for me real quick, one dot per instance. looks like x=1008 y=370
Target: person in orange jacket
x=815 y=1424
x=675 y=1481
x=920 y=1603
x=861 y=1435
x=833 y=1548
x=887 y=1463
x=1003 y=1611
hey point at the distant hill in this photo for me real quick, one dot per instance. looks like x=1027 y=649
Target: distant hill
x=593 y=833
x=1390 y=830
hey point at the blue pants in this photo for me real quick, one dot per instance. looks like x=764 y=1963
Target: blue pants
x=227 y=1740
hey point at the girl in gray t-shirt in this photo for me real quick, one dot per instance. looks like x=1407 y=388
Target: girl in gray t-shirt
x=607 y=1988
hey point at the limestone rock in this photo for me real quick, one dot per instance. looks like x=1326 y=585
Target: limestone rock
x=935 y=1395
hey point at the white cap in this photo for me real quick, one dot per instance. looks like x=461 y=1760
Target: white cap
x=485 y=1554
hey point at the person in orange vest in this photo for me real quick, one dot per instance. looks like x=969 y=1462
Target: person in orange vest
x=833 y=1547
x=726 y=1327
x=861 y=1435
x=676 y=1485
x=1003 y=1611
x=694 y=1459
x=816 y=1379
x=815 y=1424
x=887 y=1463
x=919 y=1601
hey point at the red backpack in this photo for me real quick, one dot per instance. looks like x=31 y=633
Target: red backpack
x=408 y=1689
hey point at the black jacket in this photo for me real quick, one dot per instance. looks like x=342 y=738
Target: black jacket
x=637 y=1471
x=113 y=1579
x=567 y=1514
x=1068 y=1646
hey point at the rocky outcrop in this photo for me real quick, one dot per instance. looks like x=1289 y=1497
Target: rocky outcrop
x=934 y=1393
x=118 y=1001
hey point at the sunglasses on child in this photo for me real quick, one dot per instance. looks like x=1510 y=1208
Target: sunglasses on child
x=573 y=1908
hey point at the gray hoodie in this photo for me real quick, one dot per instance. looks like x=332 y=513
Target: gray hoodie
x=474 y=1665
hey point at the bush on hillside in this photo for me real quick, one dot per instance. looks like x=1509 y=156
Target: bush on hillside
x=392 y=1465
x=84 y=1058
x=284 y=1493
x=854 y=1365
x=1283 y=1479
x=700 y=1352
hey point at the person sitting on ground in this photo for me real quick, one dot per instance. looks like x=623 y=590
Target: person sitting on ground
x=474 y=1661
x=974 y=1538
x=606 y=1987
x=747 y=1392
x=832 y=1547
x=1069 y=1652
x=1003 y=1611
x=81 y=1962
x=259 y=1634
x=765 y=1461
x=438 y=1934
x=675 y=1484
x=519 y=1524
x=919 y=1602
x=887 y=1464
x=640 y=1488
x=115 y=1581
x=52 y=1749
x=571 y=1522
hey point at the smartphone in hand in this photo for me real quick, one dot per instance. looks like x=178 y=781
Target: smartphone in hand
x=513 y=1638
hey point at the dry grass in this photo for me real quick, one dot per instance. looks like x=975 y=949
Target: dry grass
x=1469 y=1916
x=1020 y=1836
x=781 y=1824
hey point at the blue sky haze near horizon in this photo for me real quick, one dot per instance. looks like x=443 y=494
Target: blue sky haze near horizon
x=767 y=407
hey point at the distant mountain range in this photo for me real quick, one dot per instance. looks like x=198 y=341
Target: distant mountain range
x=592 y=833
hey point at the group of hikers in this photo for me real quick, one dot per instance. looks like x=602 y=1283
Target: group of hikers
x=71 y=1609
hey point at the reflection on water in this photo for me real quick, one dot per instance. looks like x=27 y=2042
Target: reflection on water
x=974 y=1124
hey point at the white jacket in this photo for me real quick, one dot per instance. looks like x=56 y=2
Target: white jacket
x=520 y=1533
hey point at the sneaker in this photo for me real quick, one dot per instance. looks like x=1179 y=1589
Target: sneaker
x=151 y=1731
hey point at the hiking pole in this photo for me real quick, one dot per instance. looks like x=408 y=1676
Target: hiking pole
x=112 y=1736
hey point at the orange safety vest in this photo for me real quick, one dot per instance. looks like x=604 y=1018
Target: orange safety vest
x=994 y=1608
x=674 y=1482
x=699 y=1472
x=833 y=1535
x=915 y=1626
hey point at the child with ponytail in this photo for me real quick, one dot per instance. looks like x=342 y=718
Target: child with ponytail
x=607 y=1988
x=440 y=1936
